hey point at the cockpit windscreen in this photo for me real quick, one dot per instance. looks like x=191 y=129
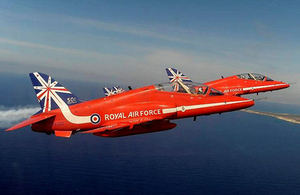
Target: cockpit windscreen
x=188 y=87
x=253 y=76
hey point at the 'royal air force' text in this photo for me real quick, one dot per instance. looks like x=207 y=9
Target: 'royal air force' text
x=141 y=113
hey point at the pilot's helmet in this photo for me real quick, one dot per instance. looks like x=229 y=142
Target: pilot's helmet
x=199 y=89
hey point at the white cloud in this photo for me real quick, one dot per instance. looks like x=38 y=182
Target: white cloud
x=11 y=116
x=51 y=48
x=113 y=27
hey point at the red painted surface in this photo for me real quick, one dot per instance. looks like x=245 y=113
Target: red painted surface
x=142 y=110
x=234 y=85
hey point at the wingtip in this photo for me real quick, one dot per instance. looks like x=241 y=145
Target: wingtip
x=12 y=128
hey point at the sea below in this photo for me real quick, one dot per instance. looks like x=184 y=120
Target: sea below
x=231 y=153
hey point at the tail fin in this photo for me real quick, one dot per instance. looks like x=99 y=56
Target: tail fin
x=50 y=94
x=175 y=75
x=115 y=90
x=108 y=91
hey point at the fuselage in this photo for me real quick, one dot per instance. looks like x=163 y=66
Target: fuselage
x=241 y=84
x=142 y=104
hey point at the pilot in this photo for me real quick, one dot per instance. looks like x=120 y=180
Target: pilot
x=160 y=87
x=199 y=90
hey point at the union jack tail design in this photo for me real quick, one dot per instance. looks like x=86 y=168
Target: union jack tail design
x=108 y=91
x=115 y=90
x=50 y=94
x=175 y=76
x=118 y=89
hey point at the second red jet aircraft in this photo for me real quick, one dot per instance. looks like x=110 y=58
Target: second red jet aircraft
x=240 y=84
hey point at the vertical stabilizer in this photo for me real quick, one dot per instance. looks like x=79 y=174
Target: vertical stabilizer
x=50 y=94
x=177 y=78
x=175 y=75
x=115 y=90
x=108 y=91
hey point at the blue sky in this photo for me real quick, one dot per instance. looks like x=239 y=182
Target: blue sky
x=132 y=42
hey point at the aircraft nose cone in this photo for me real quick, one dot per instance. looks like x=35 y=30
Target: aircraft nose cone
x=287 y=85
x=242 y=103
x=283 y=85
x=249 y=103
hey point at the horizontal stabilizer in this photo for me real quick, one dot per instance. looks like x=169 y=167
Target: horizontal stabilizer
x=30 y=121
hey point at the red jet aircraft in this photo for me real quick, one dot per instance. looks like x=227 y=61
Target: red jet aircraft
x=240 y=84
x=143 y=110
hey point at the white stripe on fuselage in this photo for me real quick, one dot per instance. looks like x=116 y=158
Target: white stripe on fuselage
x=73 y=118
x=68 y=114
x=198 y=106
x=261 y=87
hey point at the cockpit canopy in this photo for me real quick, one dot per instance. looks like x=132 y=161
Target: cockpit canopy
x=254 y=76
x=188 y=87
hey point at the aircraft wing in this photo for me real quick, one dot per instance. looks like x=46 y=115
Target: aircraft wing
x=30 y=121
x=139 y=126
x=121 y=125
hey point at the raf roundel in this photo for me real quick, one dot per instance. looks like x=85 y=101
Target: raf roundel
x=95 y=119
